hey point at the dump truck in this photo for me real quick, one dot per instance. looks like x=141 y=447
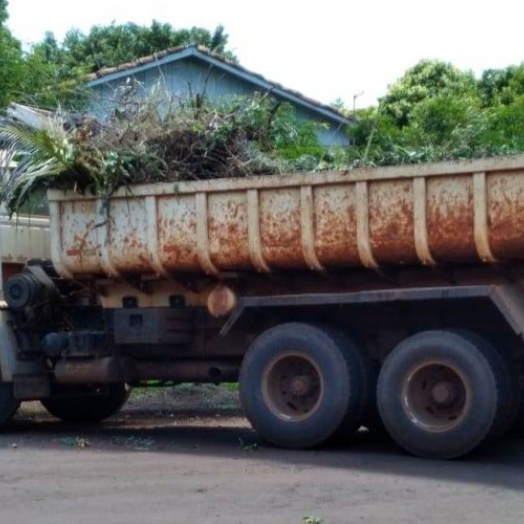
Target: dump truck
x=386 y=297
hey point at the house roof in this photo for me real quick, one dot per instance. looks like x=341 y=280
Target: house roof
x=174 y=54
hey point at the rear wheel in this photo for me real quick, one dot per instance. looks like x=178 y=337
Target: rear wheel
x=441 y=393
x=86 y=404
x=301 y=384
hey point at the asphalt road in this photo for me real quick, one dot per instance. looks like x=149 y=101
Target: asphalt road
x=203 y=467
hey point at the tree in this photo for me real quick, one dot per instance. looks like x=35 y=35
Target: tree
x=47 y=84
x=3 y=12
x=55 y=73
x=427 y=79
x=501 y=86
x=505 y=133
x=10 y=60
x=51 y=79
x=109 y=46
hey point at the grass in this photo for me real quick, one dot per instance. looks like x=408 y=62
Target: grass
x=230 y=386
x=191 y=396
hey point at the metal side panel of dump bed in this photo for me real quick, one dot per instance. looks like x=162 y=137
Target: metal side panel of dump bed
x=445 y=213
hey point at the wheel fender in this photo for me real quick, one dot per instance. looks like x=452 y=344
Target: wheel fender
x=8 y=345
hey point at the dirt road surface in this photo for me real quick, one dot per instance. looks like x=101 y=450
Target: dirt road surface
x=162 y=462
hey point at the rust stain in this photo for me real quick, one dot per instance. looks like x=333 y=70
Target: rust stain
x=128 y=246
x=391 y=222
x=335 y=226
x=280 y=228
x=228 y=231
x=384 y=224
x=506 y=214
x=450 y=219
x=79 y=237
x=177 y=241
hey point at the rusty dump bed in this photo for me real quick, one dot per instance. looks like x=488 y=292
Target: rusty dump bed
x=445 y=213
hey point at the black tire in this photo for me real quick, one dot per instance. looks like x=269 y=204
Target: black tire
x=8 y=403
x=510 y=392
x=441 y=393
x=372 y=421
x=517 y=430
x=86 y=404
x=301 y=384
x=368 y=370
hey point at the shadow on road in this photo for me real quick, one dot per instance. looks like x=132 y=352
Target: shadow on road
x=224 y=433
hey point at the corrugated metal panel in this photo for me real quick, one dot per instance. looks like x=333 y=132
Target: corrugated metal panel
x=24 y=237
x=21 y=238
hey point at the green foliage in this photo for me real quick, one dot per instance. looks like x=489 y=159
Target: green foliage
x=501 y=86
x=425 y=80
x=3 y=12
x=53 y=74
x=46 y=86
x=377 y=140
x=230 y=386
x=10 y=67
x=108 y=46
x=10 y=60
x=435 y=119
x=40 y=155
x=38 y=77
x=272 y=124
x=436 y=112
x=505 y=128
x=309 y=519
x=441 y=128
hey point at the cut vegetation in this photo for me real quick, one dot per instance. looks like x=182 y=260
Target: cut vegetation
x=149 y=139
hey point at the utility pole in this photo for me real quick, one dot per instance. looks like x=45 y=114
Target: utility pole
x=355 y=102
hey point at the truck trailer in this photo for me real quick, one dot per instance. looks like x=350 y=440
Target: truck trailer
x=389 y=297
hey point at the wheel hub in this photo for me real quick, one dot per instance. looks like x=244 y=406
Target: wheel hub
x=301 y=385
x=292 y=385
x=444 y=393
x=434 y=396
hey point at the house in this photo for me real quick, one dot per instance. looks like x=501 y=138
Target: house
x=187 y=70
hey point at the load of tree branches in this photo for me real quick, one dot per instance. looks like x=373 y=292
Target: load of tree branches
x=148 y=138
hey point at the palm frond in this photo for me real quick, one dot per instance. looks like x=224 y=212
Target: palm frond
x=39 y=156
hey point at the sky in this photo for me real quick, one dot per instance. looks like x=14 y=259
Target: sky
x=326 y=49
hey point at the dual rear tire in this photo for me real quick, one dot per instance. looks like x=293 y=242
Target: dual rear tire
x=440 y=394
